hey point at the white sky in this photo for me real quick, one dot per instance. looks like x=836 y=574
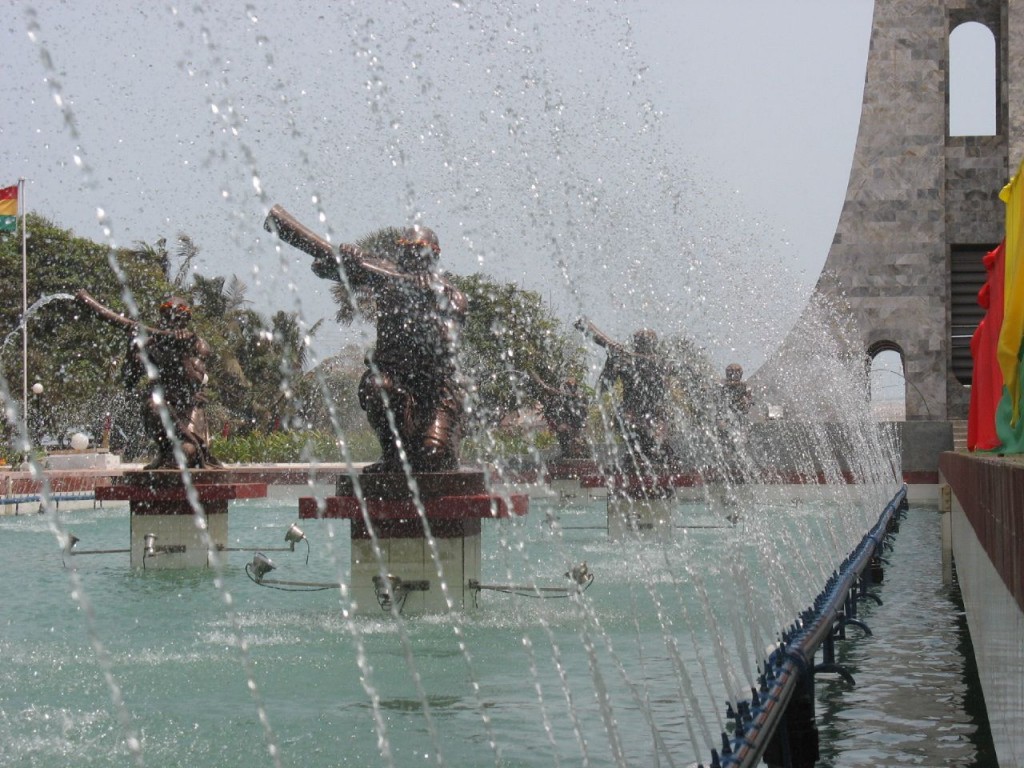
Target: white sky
x=678 y=165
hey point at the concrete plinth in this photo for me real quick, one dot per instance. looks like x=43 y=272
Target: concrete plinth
x=406 y=555
x=99 y=459
x=161 y=504
x=641 y=504
x=404 y=545
x=628 y=517
x=564 y=476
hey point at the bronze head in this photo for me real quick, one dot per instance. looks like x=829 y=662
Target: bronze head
x=734 y=372
x=645 y=341
x=420 y=248
x=175 y=313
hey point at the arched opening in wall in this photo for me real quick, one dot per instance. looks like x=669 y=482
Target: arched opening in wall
x=887 y=384
x=972 y=80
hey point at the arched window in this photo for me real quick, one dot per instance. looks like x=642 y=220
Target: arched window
x=972 y=80
x=888 y=386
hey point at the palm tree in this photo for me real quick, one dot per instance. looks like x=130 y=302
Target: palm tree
x=186 y=251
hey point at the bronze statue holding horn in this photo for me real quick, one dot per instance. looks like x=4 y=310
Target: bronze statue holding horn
x=645 y=379
x=171 y=360
x=410 y=390
x=565 y=410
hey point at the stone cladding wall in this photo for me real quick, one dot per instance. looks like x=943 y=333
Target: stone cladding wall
x=915 y=193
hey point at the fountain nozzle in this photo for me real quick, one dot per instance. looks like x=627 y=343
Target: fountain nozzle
x=294 y=535
x=261 y=565
x=580 y=573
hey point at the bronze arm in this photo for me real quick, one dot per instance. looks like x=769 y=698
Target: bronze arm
x=600 y=338
x=350 y=258
x=85 y=299
x=296 y=234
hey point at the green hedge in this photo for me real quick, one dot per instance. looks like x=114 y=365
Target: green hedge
x=293 y=447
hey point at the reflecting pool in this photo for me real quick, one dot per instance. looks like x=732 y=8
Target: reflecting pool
x=215 y=670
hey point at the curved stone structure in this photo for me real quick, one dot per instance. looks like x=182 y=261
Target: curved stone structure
x=921 y=202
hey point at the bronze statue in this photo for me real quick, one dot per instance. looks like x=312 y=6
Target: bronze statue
x=171 y=359
x=734 y=403
x=736 y=392
x=565 y=410
x=645 y=379
x=409 y=391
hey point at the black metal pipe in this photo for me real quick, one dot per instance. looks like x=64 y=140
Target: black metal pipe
x=793 y=663
x=76 y=553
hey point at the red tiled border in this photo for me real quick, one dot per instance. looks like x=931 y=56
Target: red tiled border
x=991 y=492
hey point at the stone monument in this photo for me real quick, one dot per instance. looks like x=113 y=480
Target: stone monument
x=565 y=411
x=415 y=533
x=178 y=502
x=640 y=491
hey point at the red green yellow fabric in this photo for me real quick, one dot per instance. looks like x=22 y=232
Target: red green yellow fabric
x=987 y=381
x=8 y=209
x=1008 y=351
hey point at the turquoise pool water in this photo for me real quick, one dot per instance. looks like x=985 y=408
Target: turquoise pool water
x=103 y=665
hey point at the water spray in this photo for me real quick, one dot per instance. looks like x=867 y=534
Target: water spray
x=580 y=579
x=777 y=722
x=293 y=536
x=261 y=565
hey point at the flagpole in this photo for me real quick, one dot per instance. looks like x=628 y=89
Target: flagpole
x=24 y=304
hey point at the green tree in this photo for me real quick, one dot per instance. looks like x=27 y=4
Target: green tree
x=254 y=368
x=74 y=358
x=510 y=333
x=272 y=355
x=256 y=362
x=327 y=396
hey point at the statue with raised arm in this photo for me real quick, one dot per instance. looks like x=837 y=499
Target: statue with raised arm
x=565 y=410
x=736 y=395
x=410 y=392
x=644 y=376
x=171 y=361
x=734 y=403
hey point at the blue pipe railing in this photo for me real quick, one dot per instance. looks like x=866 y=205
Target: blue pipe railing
x=56 y=497
x=766 y=721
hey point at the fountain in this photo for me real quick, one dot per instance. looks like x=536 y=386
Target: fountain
x=630 y=656
x=415 y=514
x=565 y=409
x=642 y=481
x=180 y=497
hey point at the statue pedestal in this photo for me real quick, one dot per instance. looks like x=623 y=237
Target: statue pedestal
x=402 y=548
x=564 y=476
x=159 y=504
x=628 y=517
x=641 y=505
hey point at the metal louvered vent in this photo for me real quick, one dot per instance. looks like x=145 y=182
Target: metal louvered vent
x=966 y=277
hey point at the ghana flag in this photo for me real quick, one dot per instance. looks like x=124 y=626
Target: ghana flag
x=8 y=209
